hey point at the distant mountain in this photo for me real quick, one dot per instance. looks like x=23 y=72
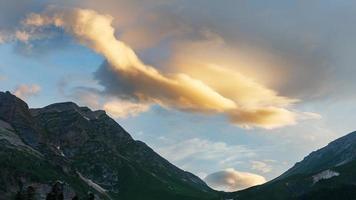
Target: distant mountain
x=328 y=173
x=64 y=150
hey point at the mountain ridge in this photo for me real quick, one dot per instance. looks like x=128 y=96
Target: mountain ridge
x=327 y=173
x=338 y=152
x=66 y=150
x=89 y=149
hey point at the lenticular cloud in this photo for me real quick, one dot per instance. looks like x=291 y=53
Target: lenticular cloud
x=133 y=79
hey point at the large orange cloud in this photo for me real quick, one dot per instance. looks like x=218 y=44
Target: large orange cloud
x=211 y=90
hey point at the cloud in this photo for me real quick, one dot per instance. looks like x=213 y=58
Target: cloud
x=115 y=107
x=203 y=156
x=5 y=36
x=287 y=54
x=22 y=36
x=246 y=102
x=289 y=48
x=204 y=150
x=142 y=24
x=230 y=180
x=18 y=35
x=123 y=109
x=261 y=166
x=86 y=96
x=25 y=91
x=2 y=38
x=11 y=14
x=266 y=117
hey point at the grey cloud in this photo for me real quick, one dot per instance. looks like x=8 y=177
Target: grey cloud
x=12 y=12
x=112 y=83
x=312 y=42
x=307 y=54
x=36 y=43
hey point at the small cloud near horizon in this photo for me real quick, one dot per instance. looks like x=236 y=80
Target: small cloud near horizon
x=230 y=180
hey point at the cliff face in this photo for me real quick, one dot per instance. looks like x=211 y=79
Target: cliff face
x=16 y=112
x=87 y=151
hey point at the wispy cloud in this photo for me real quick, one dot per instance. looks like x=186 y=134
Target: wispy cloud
x=204 y=150
x=261 y=166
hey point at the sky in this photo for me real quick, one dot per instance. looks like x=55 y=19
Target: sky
x=234 y=91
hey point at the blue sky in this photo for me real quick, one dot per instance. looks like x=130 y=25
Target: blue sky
x=296 y=49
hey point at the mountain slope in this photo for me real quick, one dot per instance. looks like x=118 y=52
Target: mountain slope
x=336 y=153
x=23 y=167
x=89 y=151
x=327 y=173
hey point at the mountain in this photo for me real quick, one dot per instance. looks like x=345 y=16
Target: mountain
x=328 y=173
x=63 y=150
x=337 y=153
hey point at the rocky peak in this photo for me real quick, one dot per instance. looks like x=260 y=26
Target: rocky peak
x=85 y=112
x=10 y=106
x=60 y=107
x=16 y=112
x=68 y=126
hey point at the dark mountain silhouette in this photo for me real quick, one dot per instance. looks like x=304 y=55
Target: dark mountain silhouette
x=86 y=151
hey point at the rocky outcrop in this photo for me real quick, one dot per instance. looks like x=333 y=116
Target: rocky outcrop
x=16 y=112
